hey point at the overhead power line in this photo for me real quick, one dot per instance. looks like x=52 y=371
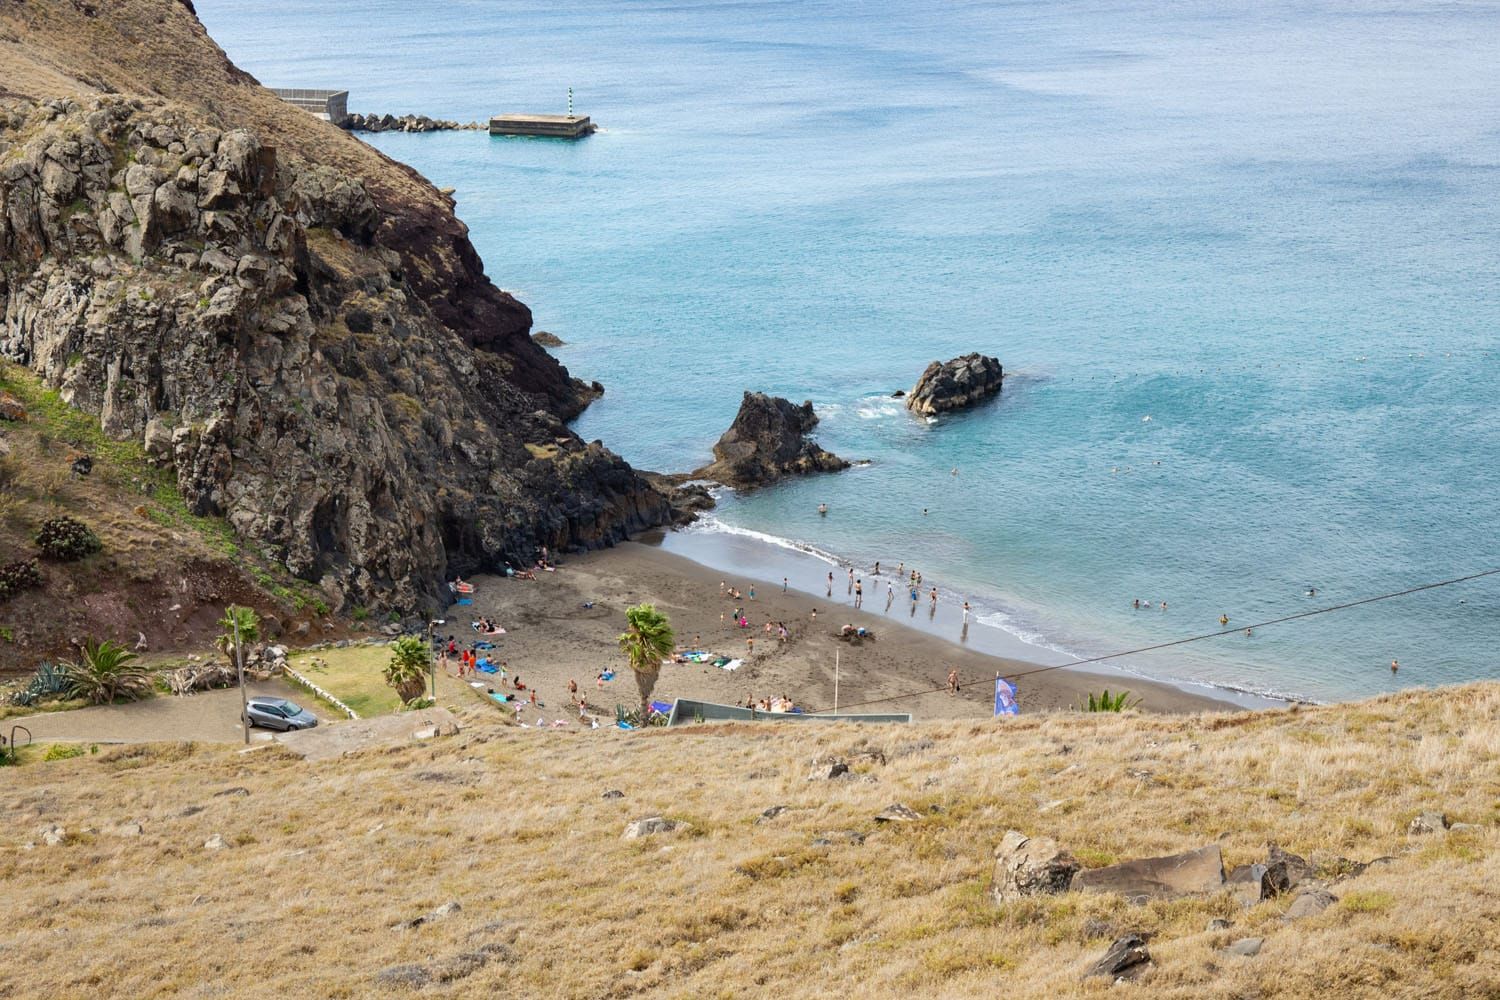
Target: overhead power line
x=1194 y=638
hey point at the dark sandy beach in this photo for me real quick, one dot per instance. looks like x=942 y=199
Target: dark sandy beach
x=552 y=638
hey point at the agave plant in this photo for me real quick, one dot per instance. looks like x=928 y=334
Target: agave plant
x=49 y=680
x=1106 y=702
x=104 y=673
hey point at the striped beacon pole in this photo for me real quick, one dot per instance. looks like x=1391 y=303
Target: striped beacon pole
x=570 y=102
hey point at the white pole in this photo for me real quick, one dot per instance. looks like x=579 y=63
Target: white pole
x=835 y=682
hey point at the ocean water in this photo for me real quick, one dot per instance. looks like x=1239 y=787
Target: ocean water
x=1242 y=267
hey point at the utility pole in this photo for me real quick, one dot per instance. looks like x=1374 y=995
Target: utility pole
x=432 y=662
x=836 y=682
x=239 y=666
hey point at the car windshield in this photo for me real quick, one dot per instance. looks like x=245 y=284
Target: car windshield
x=290 y=708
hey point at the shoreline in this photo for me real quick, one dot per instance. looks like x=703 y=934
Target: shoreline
x=562 y=627
x=727 y=549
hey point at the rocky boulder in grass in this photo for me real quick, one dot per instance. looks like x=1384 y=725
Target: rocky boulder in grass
x=1030 y=866
x=952 y=385
x=1168 y=877
x=769 y=440
x=1126 y=958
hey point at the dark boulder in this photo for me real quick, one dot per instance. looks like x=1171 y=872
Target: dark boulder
x=1125 y=959
x=952 y=385
x=768 y=440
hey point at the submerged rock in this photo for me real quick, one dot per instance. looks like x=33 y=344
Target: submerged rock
x=544 y=339
x=769 y=440
x=952 y=385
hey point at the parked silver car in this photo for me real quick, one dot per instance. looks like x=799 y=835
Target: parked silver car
x=278 y=713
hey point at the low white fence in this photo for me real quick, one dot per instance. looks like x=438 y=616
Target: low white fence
x=315 y=689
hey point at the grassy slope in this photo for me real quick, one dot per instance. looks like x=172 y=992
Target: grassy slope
x=511 y=824
x=151 y=541
x=354 y=675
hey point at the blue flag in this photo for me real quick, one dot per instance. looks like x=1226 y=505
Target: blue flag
x=1005 y=698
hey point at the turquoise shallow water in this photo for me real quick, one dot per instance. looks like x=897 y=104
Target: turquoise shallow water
x=1243 y=268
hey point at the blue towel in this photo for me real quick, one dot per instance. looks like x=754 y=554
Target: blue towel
x=662 y=707
x=465 y=600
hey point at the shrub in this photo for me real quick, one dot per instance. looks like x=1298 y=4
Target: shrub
x=1107 y=702
x=62 y=751
x=49 y=681
x=66 y=539
x=105 y=672
x=18 y=576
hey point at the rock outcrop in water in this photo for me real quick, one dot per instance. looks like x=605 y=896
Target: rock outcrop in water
x=769 y=440
x=405 y=123
x=295 y=325
x=952 y=385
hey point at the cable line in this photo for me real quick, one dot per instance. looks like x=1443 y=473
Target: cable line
x=1206 y=635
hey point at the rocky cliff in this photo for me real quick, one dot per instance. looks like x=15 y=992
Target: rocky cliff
x=294 y=324
x=769 y=440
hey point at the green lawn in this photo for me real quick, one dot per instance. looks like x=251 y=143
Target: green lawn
x=352 y=674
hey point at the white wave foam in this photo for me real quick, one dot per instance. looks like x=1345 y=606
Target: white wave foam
x=879 y=407
x=710 y=523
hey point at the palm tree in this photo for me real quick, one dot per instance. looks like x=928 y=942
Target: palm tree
x=407 y=671
x=646 y=641
x=249 y=623
x=103 y=673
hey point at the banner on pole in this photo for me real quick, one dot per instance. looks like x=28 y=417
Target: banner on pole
x=1005 y=697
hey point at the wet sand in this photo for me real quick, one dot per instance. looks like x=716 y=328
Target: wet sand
x=552 y=638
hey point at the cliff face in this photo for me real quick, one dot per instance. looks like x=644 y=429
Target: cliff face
x=299 y=328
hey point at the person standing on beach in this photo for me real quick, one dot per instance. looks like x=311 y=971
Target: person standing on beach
x=750 y=646
x=877 y=567
x=815 y=614
x=830 y=583
x=783 y=585
x=851 y=580
x=952 y=682
x=890 y=595
x=752 y=592
x=966 y=613
x=859 y=593
x=934 y=598
x=901 y=568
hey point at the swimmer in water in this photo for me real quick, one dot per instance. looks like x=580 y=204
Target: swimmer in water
x=823 y=508
x=1223 y=620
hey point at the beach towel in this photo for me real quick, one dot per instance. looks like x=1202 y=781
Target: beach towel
x=484 y=645
x=609 y=675
x=465 y=600
x=488 y=668
x=661 y=708
x=464 y=588
x=730 y=665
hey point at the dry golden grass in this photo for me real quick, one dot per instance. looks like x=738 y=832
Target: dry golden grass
x=511 y=824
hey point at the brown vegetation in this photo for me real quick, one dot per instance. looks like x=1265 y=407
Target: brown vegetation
x=323 y=861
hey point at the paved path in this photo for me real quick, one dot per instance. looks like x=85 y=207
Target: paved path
x=208 y=716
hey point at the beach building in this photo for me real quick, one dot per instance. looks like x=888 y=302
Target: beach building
x=329 y=105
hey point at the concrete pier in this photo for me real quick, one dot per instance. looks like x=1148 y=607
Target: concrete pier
x=553 y=126
x=329 y=105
